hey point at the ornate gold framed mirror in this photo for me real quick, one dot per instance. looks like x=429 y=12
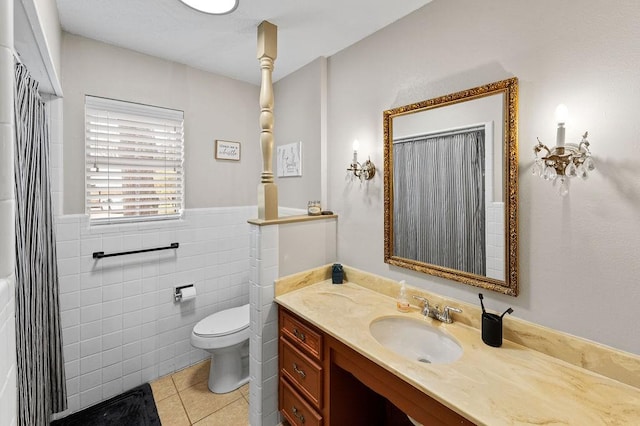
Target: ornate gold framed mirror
x=451 y=186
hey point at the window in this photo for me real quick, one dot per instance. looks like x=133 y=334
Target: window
x=133 y=161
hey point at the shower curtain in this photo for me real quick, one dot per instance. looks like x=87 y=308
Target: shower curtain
x=40 y=375
x=439 y=203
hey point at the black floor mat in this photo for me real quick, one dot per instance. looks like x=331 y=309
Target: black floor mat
x=135 y=407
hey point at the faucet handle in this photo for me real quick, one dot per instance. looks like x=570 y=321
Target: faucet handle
x=425 y=304
x=445 y=313
x=424 y=300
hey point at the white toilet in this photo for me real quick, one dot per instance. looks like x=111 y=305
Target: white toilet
x=225 y=335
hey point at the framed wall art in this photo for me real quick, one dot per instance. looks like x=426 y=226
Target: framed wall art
x=289 y=160
x=227 y=150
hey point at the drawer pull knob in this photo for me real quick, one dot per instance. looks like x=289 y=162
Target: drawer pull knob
x=299 y=371
x=298 y=414
x=299 y=334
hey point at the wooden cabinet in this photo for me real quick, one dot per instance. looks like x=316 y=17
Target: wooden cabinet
x=304 y=374
x=325 y=382
x=301 y=334
x=300 y=369
x=295 y=409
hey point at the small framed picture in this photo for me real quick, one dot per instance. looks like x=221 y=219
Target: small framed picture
x=289 y=160
x=227 y=150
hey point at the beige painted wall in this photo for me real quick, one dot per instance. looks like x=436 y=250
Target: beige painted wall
x=306 y=245
x=215 y=107
x=298 y=95
x=579 y=264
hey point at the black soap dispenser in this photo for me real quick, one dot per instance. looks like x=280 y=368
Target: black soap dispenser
x=337 y=273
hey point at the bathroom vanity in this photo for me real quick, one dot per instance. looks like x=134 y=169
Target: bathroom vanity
x=323 y=381
x=332 y=371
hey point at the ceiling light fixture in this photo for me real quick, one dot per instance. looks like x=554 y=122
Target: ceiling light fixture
x=212 y=7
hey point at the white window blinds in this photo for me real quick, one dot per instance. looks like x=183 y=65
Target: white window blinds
x=133 y=161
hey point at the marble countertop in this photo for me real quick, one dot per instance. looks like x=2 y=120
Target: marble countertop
x=509 y=385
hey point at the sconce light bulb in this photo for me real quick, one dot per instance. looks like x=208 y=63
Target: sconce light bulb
x=356 y=145
x=562 y=113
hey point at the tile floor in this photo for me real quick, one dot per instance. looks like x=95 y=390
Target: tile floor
x=183 y=398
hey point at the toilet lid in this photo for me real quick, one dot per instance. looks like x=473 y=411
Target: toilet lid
x=224 y=322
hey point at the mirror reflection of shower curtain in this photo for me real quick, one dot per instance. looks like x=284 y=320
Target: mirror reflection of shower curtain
x=439 y=200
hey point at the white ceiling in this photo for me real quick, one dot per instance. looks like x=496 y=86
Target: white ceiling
x=226 y=44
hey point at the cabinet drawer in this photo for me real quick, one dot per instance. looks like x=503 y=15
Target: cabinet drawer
x=303 y=335
x=294 y=408
x=304 y=374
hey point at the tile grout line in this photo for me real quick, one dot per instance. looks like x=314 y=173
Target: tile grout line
x=179 y=393
x=184 y=408
x=212 y=413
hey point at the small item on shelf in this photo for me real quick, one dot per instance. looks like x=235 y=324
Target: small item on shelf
x=402 y=303
x=313 y=208
x=326 y=212
x=337 y=273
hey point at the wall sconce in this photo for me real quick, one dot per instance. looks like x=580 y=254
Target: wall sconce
x=563 y=161
x=364 y=171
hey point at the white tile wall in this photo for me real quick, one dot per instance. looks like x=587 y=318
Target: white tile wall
x=121 y=327
x=8 y=396
x=263 y=357
x=495 y=240
x=277 y=250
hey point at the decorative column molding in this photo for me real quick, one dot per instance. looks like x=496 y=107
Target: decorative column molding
x=267 y=53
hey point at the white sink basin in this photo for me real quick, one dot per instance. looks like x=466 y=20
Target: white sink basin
x=415 y=340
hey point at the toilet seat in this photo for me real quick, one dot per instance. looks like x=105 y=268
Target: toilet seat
x=223 y=323
x=222 y=330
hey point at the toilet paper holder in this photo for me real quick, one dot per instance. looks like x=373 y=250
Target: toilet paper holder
x=177 y=293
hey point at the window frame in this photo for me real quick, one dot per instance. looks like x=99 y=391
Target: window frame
x=151 y=134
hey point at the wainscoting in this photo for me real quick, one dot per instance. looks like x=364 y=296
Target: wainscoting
x=121 y=326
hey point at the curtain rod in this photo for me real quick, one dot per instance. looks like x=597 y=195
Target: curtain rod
x=440 y=133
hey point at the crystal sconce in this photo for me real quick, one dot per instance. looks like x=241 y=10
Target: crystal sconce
x=364 y=171
x=562 y=162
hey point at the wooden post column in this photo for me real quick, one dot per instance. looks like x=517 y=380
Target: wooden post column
x=267 y=52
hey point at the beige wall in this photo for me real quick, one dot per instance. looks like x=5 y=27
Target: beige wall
x=215 y=107
x=299 y=95
x=579 y=264
x=306 y=245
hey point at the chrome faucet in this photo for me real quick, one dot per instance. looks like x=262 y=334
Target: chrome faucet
x=435 y=312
